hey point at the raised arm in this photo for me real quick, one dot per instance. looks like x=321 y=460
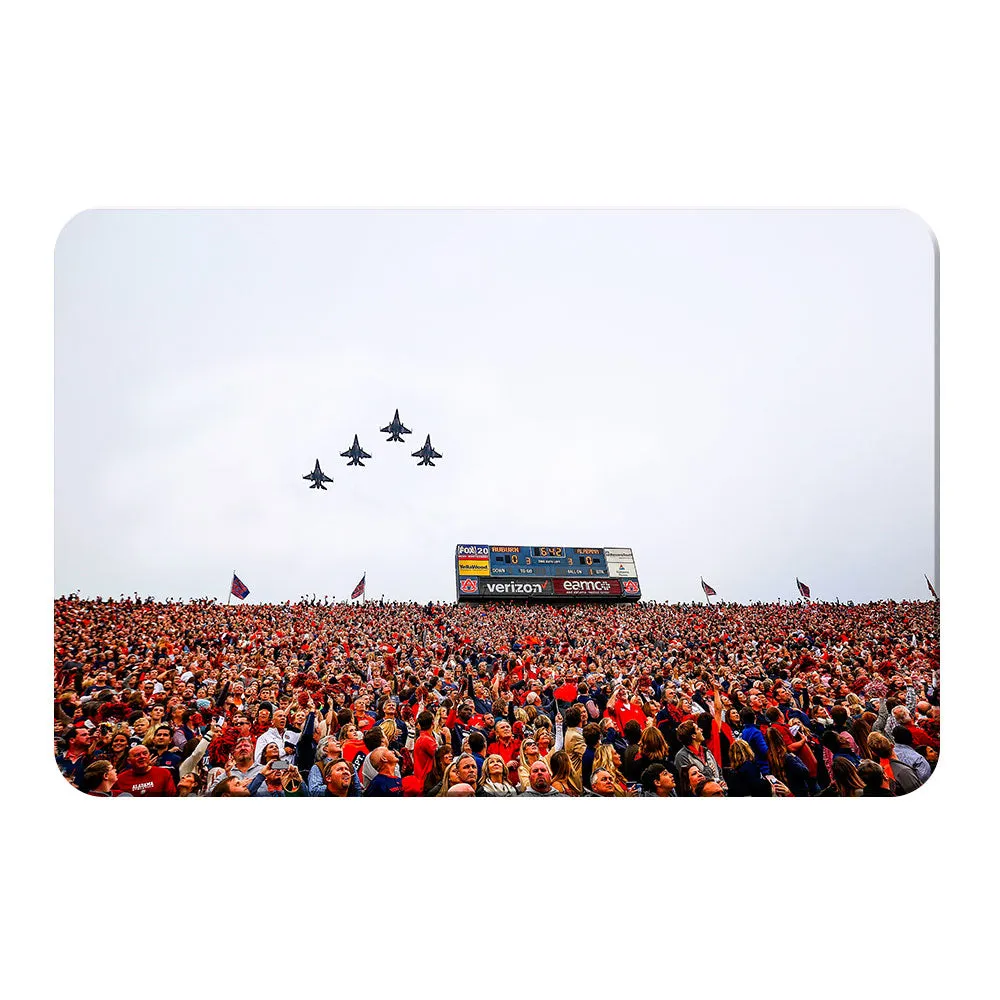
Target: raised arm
x=305 y=749
x=882 y=717
x=255 y=783
x=191 y=762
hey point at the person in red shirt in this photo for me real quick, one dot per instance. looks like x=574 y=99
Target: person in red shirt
x=775 y=720
x=142 y=778
x=464 y=716
x=351 y=743
x=920 y=737
x=928 y=723
x=505 y=745
x=757 y=704
x=566 y=692
x=459 y=722
x=622 y=711
x=424 y=749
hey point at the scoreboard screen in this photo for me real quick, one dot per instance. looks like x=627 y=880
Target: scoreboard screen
x=544 y=572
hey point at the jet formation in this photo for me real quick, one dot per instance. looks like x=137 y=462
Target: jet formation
x=318 y=478
x=426 y=453
x=395 y=429
x=356 y=453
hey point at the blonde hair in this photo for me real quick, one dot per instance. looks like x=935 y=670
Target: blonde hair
x=446 y=781
x=147 y=740
x=485 y=775
x=740 y=752
x=652 y=744
x=524 y=762
x=880 y=744
x=524 y=765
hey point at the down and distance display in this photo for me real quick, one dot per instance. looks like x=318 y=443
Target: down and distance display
x=544 y=572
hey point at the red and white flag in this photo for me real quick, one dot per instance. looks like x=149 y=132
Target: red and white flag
x=360 y=588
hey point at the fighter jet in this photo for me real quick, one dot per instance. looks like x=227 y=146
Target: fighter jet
x=318 y=478
x=426 y=453
x=395 y=429
x=355 y=453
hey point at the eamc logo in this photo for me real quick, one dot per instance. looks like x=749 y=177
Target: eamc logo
x=630 y=587
x=470 y=586
x=474 y=550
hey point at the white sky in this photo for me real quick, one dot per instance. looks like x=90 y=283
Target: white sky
x=747 y=396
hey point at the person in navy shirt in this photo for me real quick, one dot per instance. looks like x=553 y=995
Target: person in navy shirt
x=385 y=783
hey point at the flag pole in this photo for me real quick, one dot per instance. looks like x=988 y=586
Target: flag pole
x=230 y=597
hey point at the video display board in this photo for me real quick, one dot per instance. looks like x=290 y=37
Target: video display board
x=545 y=572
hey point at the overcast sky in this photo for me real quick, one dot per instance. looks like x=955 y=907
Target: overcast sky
x=744 y=396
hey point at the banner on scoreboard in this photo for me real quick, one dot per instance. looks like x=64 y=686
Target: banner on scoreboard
x=620 y=562
x=515 y=588
x=588 y=587
x=473 y=567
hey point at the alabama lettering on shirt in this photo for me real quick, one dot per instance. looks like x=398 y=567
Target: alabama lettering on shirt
x=156 y=781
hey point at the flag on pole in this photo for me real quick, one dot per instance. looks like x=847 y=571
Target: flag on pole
x=709 y=591
x=930 y=586
x=239 y=588
x=360 y=588
x=803 y=589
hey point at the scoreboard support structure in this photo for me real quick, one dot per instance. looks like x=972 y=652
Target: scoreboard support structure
x=545 y=573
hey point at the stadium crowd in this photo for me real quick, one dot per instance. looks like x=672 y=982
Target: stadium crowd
x=392 y=699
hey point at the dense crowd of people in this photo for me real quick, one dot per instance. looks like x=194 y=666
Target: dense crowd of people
x=501 y=700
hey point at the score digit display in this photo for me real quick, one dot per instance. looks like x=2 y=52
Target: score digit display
x=545 y=572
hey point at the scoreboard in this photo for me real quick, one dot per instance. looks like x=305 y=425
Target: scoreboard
x=544 y=573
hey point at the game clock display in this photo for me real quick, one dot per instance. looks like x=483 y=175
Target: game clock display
x=545 y=572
